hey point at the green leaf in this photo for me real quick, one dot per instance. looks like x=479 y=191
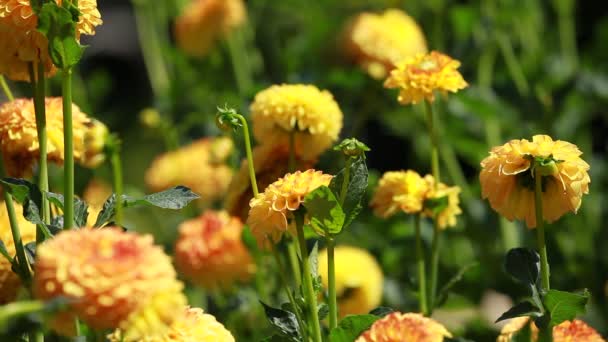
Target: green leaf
x=351 y=327
x=5 y=252
x=326 y=215
x=21 y=190
x=81 y=209
x=442 y=295
x=381 y=311
x=323 y=311
x=564 y=306
x=523 y=264
x=284 y=321
x=357 y=185
x=436 y=205
x=521 y=309
x=59 y=26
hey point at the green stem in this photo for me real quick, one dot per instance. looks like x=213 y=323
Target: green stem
x=6 y=89
x=240 y=63
x=292 y=253
x=331 y=282
x=540 y=231
x=292 y=300
x=254 y=183
x=39 y=88
x=291 y=163
x=118 y=181
x=567 y=29
x=309 y=291
x=14 y=223
x=434 y=142
x=420 y=261
x=513 y=65
x=36 y=336
x=68 y=141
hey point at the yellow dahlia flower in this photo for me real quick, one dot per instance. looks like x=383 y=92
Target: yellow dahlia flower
x=568 y=331
x=271 y=163
x=193 y=325
x=311 y=114
x=210 y=252
x=418 y=77
x=21 y=43
x=19 y=138
x=201 y=166
x=508 y=184
x=9 y=281
x=410 y=327
x=205 y=21
x=447 y=217
x=114 y=279
x=270 y=210
x=399 y=191
x=359 y=279
x=377 y=42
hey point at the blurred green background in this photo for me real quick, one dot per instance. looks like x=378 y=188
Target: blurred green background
x=534 y=67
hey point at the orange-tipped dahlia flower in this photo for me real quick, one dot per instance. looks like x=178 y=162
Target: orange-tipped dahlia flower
x=271 y=163
x=210 y=252
x=205 y=21
x=447 y=216
x=399 y=191
x=568 y=331
x=359 y=279
x=19 y=138
x=418 y=77
x=21 y=43
x=410 y=327
x=508 y=183
x=193 y=326
x=270 y=210
x=114 y=280
x=9 y=280
x=201 y=166
x=377 y=42
x=312 y=115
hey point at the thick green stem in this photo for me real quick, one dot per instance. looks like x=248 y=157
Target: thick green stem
x=254 y=183
x=420 y=261
x=12 y=218
x=39 y=88
x=118 y=181
x=240 y=62
x=6 y=89
x=434 y=142
x=309 y=291
x=540 y=231
x=292 y=300
x=68 y=143
x=291 y=163
x=292 y=254
x=435 y=244
x=331 y=283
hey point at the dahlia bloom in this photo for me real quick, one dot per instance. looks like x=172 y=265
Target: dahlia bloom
x=271 y=163
x=508 y=184
x=359 y=279
x=568 y=331
x=21 y=43
x=411 y=327
x=270 y=210
x=116 y=280
x=210 y=252
x=446 y=217
x=418 y=77
x=377 y=42
x=193 y=325
x=201 y=166
x=311 y=114
x=9 y=280
x=399 y=191
x=19 y=138
x=205 y=21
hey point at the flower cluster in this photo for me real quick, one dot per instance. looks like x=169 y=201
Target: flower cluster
x=114 y=280
x=359 y=279
x=269 y=213
x=205 y=21
x=418 y=77
x=411 y=327
x=377 y=42
x=568 y=331
x=19 y=138
x=9 y=281
x=21 y=43
x=311 y=115
x=209 y=251
x=408 y=192
x=201 y=166
x=507 y=178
